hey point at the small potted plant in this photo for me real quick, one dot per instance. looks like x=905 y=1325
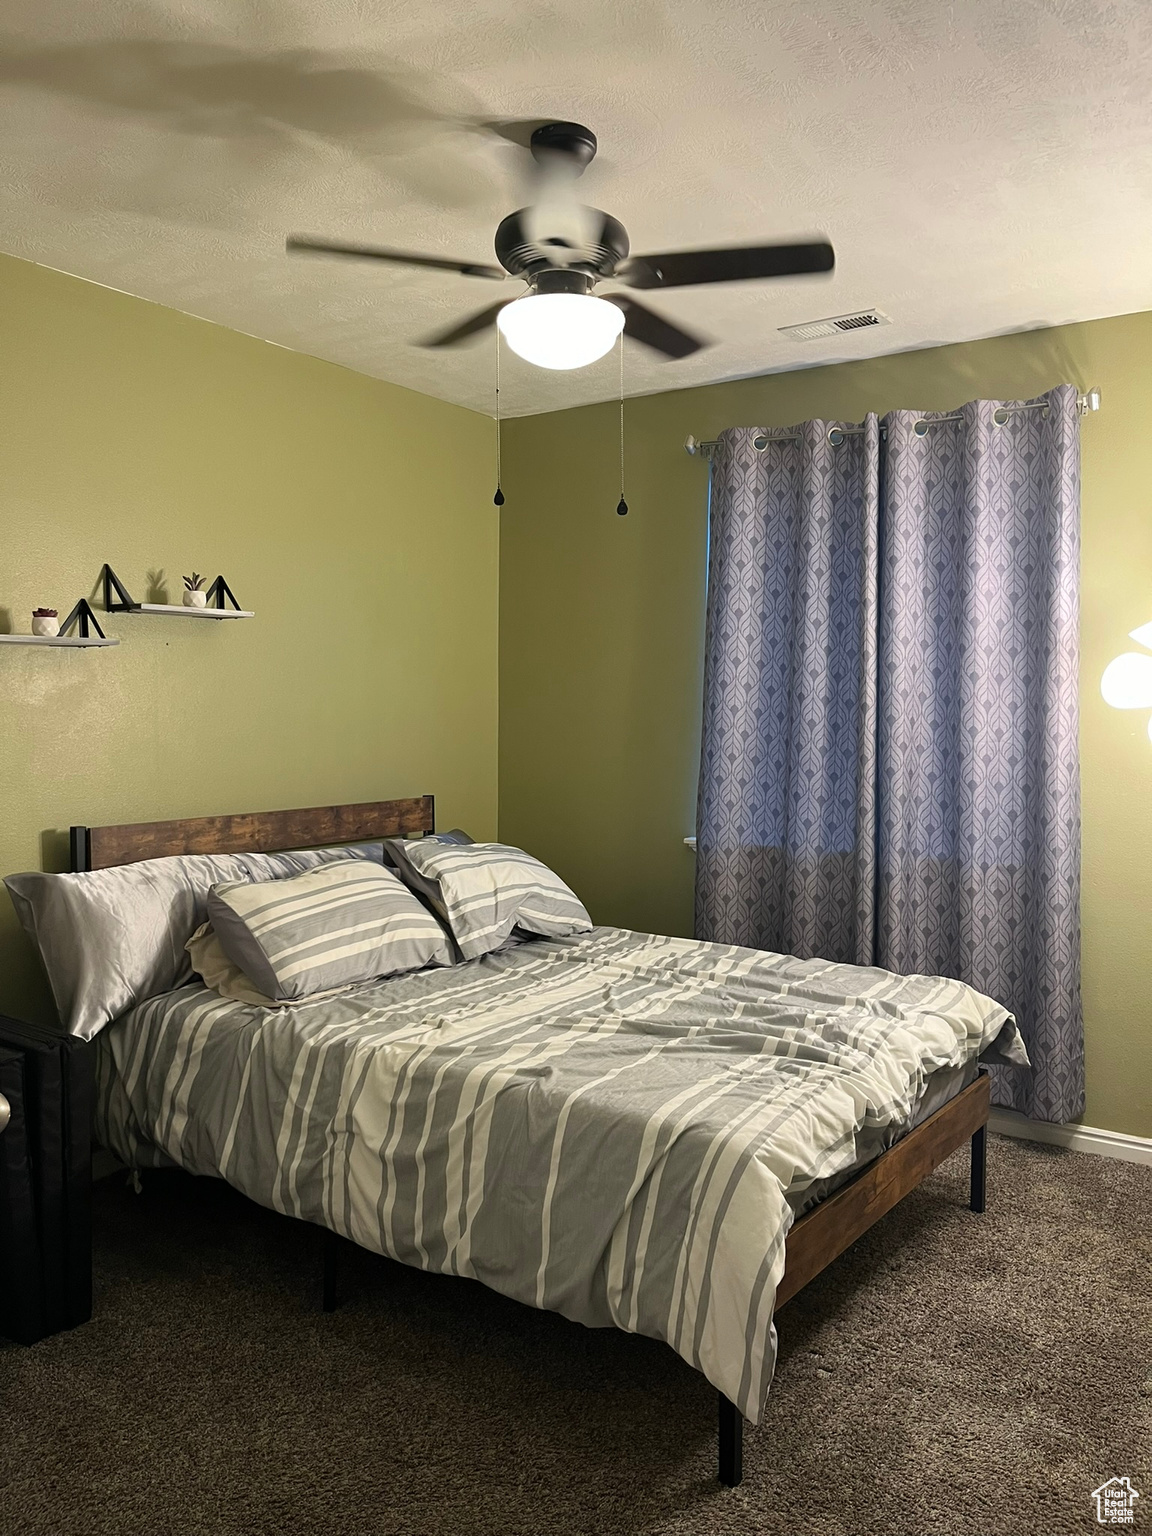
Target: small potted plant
x=45 y=621
x=194 y=593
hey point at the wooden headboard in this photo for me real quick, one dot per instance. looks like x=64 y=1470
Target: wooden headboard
x=253 y=832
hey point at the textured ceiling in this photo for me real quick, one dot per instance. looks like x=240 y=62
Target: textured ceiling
x=980 y=166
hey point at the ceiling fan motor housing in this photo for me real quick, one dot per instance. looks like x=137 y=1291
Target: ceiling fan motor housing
x=523 y=257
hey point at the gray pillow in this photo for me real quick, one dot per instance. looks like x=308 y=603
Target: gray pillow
x=485 y=890
x=329 y=927
x=112 y=938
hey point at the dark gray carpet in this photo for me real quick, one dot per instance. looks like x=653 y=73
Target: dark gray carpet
x=951 y=1374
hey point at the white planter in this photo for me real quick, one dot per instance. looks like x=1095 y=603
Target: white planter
x=195 y=599
x=47 y=627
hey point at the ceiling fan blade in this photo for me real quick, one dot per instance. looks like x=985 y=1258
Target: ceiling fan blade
x=307 y=245
x=644 y=325
x=461 y=332
x=681 y=269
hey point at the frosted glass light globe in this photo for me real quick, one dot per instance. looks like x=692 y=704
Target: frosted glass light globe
x=560 y=330
x=1127 y=682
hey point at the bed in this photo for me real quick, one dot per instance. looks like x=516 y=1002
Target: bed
x=636 y=1131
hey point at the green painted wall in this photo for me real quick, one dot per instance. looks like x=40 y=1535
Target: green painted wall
x=602 y=623
x=353 y=516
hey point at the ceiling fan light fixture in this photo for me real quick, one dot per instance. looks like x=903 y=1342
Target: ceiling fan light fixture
x=560 y=330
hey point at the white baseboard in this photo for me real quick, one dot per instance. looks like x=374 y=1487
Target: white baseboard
x=1077 y=1138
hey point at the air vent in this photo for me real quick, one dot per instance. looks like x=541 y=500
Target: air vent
x=814 y=330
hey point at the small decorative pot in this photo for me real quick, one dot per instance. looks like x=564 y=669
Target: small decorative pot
x=45 y=626
x=195 y=599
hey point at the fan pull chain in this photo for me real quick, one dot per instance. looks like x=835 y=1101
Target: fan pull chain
x=498 y=499
x=622 y=505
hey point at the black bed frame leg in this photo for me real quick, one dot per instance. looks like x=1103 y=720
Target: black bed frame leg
x=979 y=1169
x=331 y=1252
x=731 y=1444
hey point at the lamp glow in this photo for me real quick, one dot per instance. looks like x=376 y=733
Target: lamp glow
x=1127 y=682
x=560 y=330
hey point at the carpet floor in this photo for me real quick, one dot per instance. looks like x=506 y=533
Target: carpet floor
x=950 y=1374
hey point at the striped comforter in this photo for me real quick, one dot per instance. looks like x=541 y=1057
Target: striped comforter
x=607 y=1125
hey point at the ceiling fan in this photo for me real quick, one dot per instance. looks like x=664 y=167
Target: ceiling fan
x=563 y=250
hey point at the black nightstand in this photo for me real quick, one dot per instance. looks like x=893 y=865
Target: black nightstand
x=48 y=1082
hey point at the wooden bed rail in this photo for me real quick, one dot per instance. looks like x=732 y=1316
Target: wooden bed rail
x=835 y=1224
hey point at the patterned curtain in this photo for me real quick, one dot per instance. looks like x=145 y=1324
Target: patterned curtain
x=786 y=826
x=890 y=768
x=979 y=783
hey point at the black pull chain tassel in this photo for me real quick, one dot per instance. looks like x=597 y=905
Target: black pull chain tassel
x=621 y=505
x=498 y=499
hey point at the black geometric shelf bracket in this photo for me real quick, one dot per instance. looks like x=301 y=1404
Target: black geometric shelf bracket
x=82 y=616
x=218 y=592
x=124 y=602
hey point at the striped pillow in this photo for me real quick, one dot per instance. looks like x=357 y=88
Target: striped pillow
x=329 y=927
x=394 y=853
x=487 y=889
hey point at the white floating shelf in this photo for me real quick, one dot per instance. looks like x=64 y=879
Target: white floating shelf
x=73 y=642
x=178 y=610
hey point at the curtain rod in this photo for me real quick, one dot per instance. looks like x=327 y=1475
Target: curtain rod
x=1085 y=403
